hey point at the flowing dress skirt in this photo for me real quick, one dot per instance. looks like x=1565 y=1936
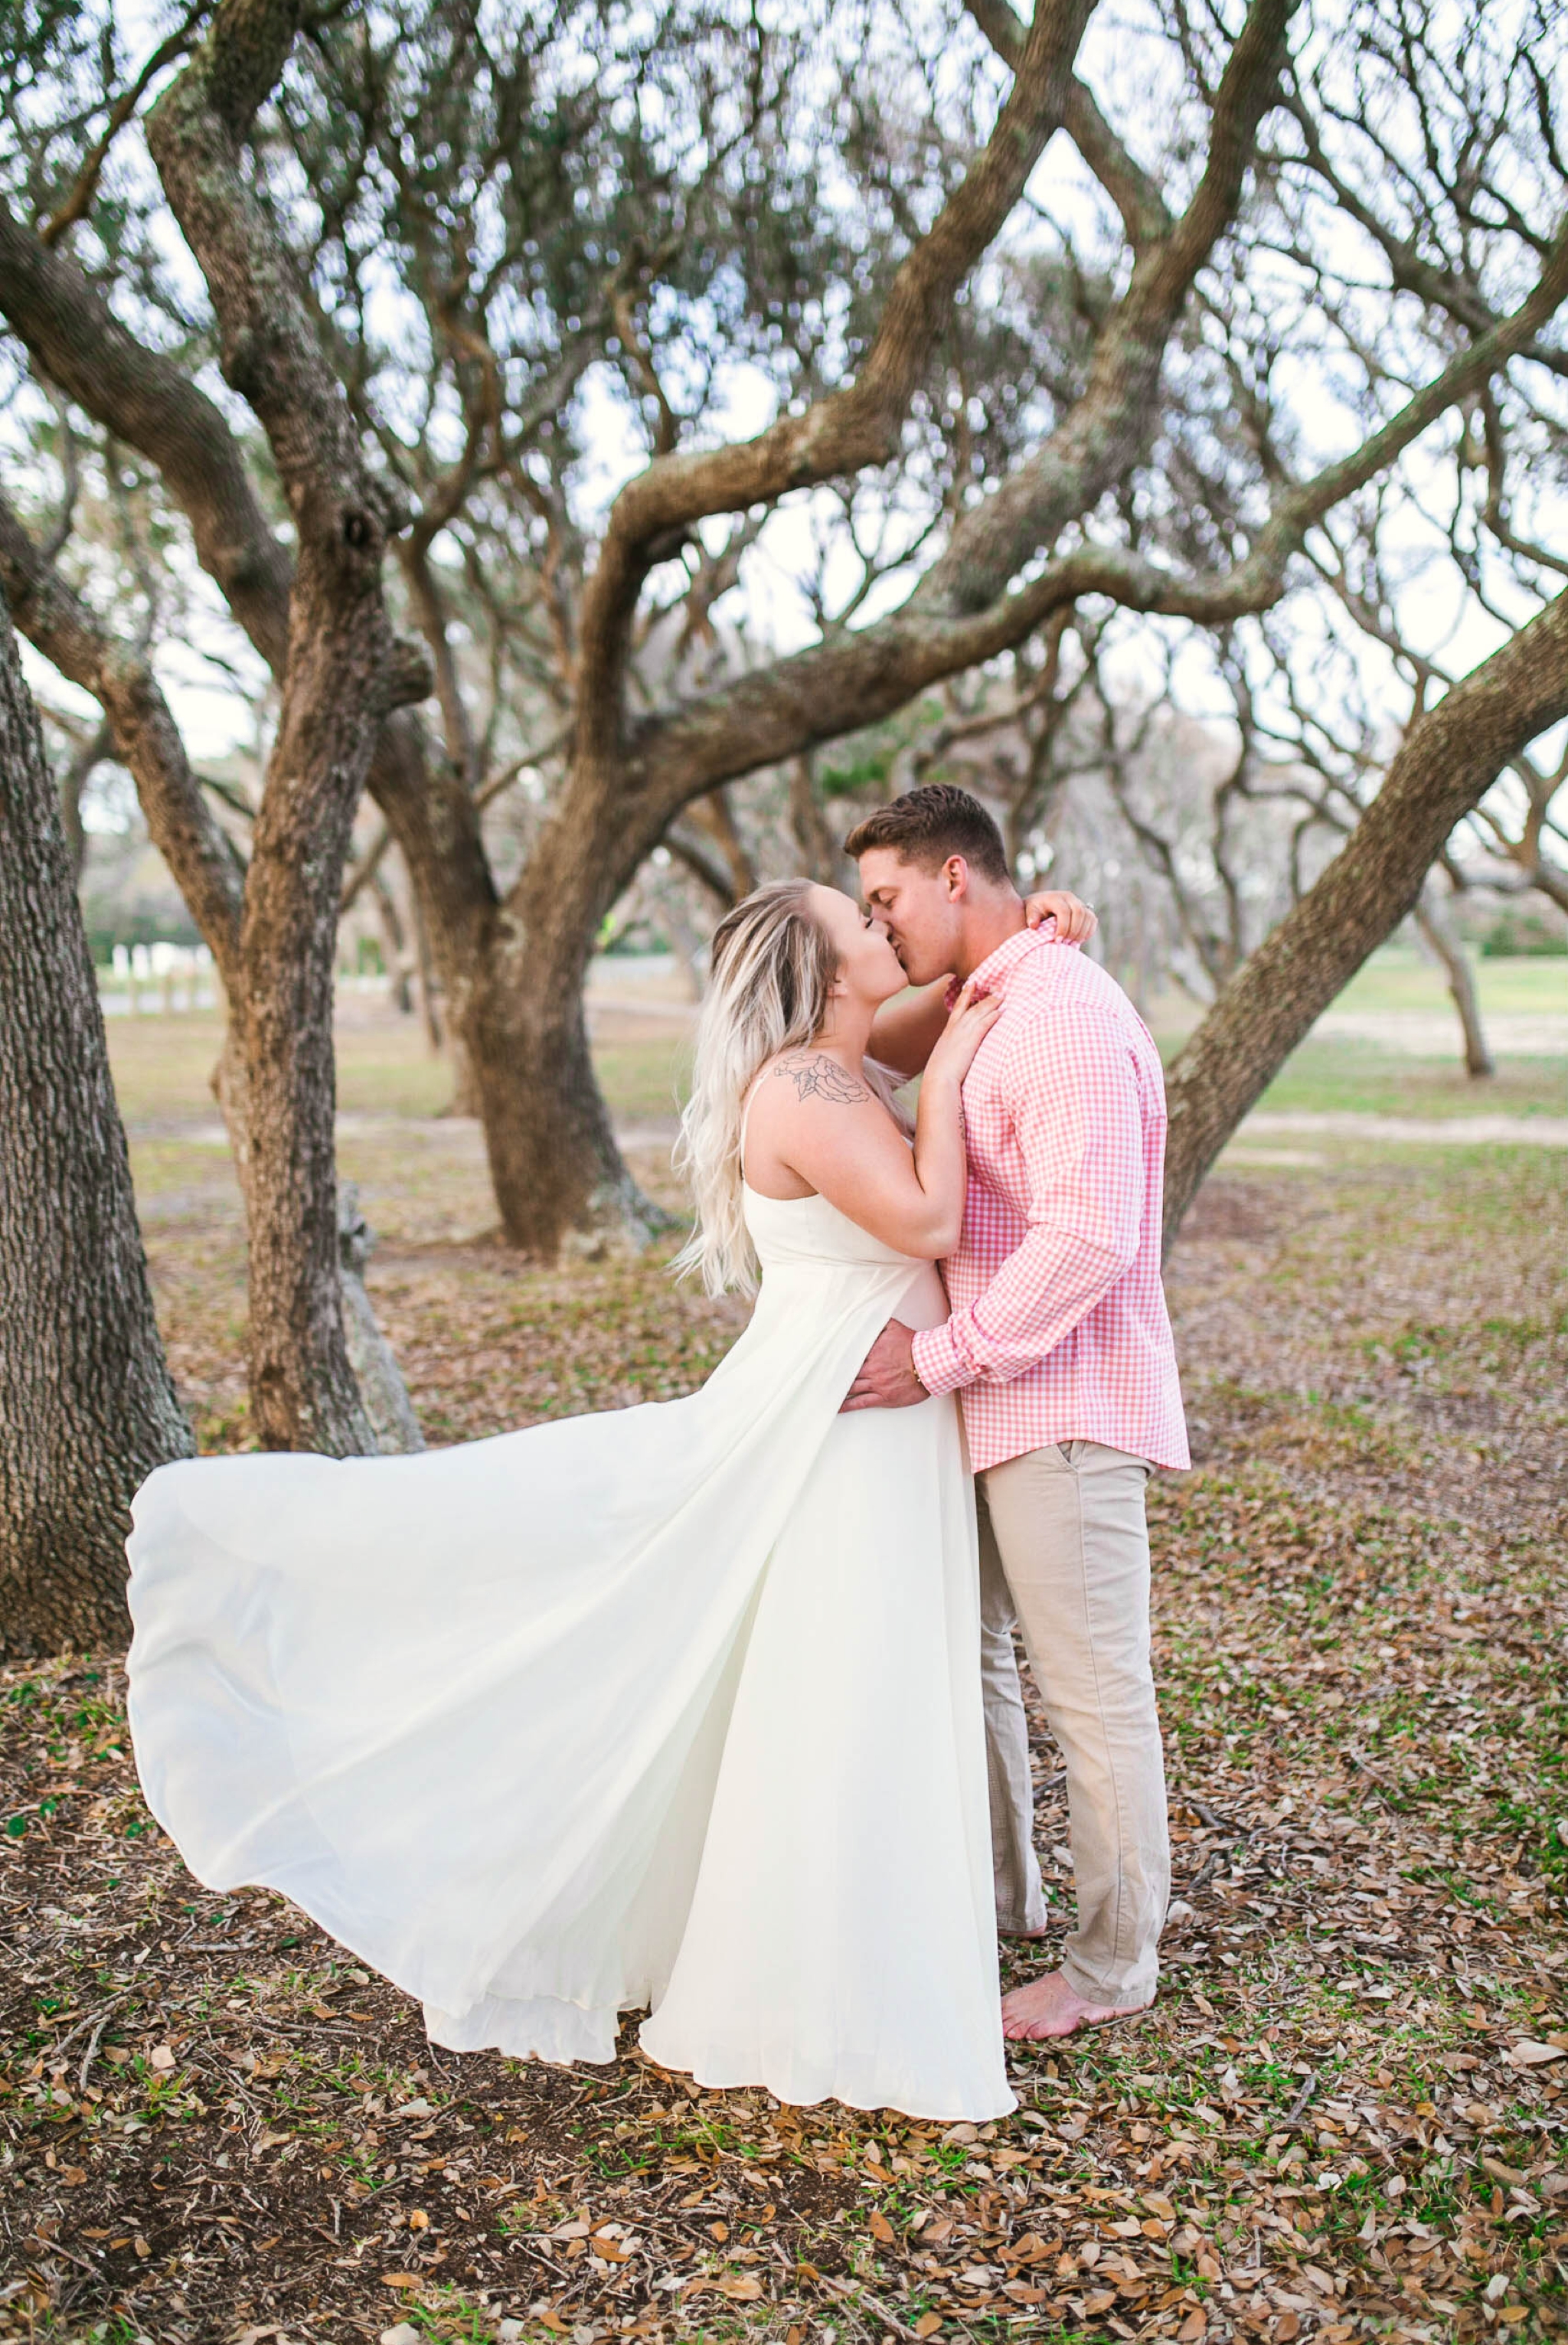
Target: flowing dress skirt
x=674 y=1706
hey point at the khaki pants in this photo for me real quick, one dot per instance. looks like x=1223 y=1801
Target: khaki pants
x=1064 y=1551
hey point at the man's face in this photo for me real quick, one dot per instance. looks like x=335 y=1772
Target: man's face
x=922 y=911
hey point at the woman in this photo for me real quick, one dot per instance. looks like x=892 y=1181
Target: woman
x=677 y=1705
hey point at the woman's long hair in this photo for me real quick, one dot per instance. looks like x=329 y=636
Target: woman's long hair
x=772 y=971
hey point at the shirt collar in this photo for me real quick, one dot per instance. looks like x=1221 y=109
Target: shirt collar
x=995 y=970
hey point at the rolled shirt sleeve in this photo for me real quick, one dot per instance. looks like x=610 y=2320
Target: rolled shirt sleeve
x=1070 y=1089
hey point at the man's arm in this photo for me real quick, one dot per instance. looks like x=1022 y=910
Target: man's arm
x=1072 y=1093
x=905 y=1031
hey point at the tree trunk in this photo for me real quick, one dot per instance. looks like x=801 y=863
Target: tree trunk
x=553 y=1156
x=73 y=782
x=430 y=1008
x=343 y=672
x=822 y=856
x=304 y=1391
x=554 y=1159
x=380 y=1379
x=87 y=1406
x=395 y=947
x=1432 y=921
x=1448 y=761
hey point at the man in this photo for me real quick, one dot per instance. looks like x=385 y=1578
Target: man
x=1060 y=1348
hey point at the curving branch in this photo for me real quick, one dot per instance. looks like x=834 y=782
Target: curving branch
x=78 y=203
x=775 y=713
x=849 y=429
x=146 y=738
x=1448 y=761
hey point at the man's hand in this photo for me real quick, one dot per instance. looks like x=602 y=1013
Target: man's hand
x=886 y=1378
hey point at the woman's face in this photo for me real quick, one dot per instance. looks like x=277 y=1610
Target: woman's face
x=868 y=969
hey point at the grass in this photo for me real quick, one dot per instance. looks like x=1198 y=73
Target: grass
x=1397 y=978
x=1348 y=1076
x=1413 y=1066
x=216 y=2126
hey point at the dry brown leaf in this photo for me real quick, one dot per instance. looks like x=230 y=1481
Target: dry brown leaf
x=1528 y=2052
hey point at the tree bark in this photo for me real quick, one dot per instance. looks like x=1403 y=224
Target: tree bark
x=87 y=1406
x=554 y=1159
x=823 y=858
x=343 y=673
x=1448 y=761
x=1432 y=921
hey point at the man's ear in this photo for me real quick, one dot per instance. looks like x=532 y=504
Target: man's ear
x=955 y=871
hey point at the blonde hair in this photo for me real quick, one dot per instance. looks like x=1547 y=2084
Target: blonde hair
x=772 y=971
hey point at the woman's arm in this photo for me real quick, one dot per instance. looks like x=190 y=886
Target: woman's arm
x=812 y=1118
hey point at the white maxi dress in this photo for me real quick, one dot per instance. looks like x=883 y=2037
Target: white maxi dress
x=675 y=1706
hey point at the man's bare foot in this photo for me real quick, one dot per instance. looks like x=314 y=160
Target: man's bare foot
x=1051 y=2006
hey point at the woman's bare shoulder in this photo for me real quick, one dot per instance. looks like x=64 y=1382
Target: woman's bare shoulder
x=804 y=1074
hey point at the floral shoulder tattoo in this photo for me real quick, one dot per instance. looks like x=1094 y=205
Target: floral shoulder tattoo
x=819 y=1077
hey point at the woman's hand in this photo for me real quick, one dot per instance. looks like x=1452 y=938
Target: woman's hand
x=1075 y=921
x=970 y=1020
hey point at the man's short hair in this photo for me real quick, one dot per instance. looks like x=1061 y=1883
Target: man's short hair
x=931 y=824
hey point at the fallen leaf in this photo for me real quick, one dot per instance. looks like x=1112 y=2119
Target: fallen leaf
x=160 y=2056
x=926 y=2326
x=1528 y=2054
x=140 y=2246
x=882 y=2229
x=419 y=2220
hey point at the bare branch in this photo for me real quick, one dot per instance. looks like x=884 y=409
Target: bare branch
x=146 y=738
x=79 y=201
x=1448 y=761
x=147 y=400
x=850 y=427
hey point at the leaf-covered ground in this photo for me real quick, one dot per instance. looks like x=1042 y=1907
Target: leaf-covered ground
x=1345 y=2116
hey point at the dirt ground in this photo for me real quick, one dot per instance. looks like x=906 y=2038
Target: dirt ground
x=1345 y=2115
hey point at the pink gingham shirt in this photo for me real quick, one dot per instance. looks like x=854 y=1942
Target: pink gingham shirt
x=1059 y=1330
